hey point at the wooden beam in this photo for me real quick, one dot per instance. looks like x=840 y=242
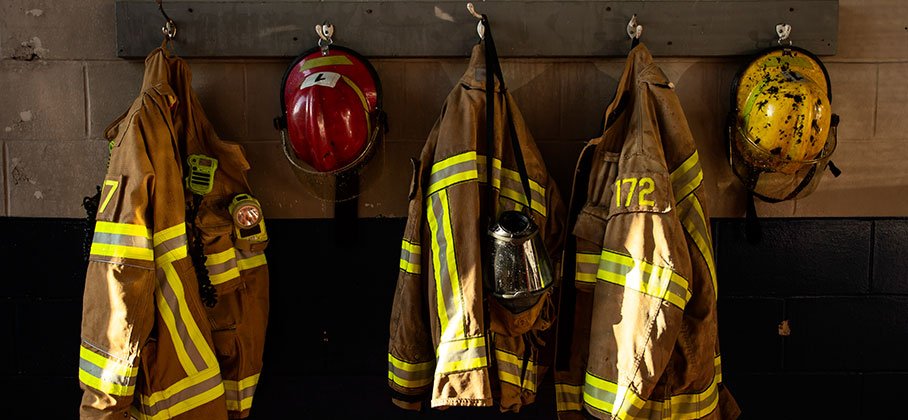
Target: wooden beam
x=446 y=29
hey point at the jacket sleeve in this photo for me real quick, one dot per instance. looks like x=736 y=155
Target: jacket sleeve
x=118 y=301
x=411 y=355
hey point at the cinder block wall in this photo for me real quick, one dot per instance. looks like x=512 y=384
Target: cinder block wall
x=839 y=281
x=61 y=84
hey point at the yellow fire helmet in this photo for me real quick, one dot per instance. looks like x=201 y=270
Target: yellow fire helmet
x=781 y=130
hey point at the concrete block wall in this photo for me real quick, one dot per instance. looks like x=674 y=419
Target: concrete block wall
x=62 y=84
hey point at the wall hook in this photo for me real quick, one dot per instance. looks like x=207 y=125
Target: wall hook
x=634 y=31
x=784 y=32
x=325 y=33
x=480 y=29
x=170 y=27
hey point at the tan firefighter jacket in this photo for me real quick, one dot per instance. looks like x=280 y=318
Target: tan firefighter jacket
x=150 y=347
x=637 y=331
x=444 y=344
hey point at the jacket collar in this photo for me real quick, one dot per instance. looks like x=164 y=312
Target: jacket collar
x=475 y=75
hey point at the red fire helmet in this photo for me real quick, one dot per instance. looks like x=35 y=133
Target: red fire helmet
x=331 y=108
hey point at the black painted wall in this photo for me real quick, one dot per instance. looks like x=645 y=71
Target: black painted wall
x=841 y=283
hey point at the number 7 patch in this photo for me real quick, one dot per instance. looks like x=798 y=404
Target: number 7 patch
x=110 y=194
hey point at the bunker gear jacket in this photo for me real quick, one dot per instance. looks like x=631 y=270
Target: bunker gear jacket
x=150 y=348
x=450 y=340
x=637 y=327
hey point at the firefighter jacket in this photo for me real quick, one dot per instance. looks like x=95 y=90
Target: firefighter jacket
x=637 y=331
x=150 y=347
x=450 y=340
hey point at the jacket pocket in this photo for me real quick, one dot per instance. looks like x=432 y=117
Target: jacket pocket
x=539 y=317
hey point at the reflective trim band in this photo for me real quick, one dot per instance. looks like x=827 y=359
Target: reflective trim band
x=239 y=393
x=470 y=166
x=690 y=212
x=170 y=245
x=331 y=60
x=107 y=375
x=185 y=395
x=123 y=229
x=122 y=240
x=410 y=257
x=410 y=375
x=192 y=350
x=687 y=177
x=169 y=233
x=461 y=355
x=120 y=251
x=611 y=398
x=447 y=283
x=568 y=397
x=250 y=260
x=226 y=265
x=604 y=395
x=510 y=369
x=653 y=280
x=587 y=266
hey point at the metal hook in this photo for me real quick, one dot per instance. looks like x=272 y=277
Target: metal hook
x=325 y=33
x=783 y=30
x=170 y=27
x=480 y=29
x=634 y=30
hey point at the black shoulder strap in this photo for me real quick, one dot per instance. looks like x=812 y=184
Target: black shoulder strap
x=493 y=70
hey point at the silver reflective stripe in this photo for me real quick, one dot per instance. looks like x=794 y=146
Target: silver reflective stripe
x=687 y=177
x=461 y=359
x=172 y=303
x=170 y=245
x=442 y=271
x=124 y=240
x=222 y=267
x=98 y=372
x=513 y=374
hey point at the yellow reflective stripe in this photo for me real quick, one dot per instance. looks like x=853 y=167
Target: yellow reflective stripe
x=451 y=180
x=410 y=367
x=534 y=186
x=718 y=366
x=123 y=229
x=683 y=186
x=439 y=296
x=241 y=384
x=169 y=233
x=409 y=267
x=568 y=397
x=603 y=395
x=251 y=262
x=220 y=257
x=122 y=251
x=173 y=279
x=587 y=266
x=332 y=60
x=224 y=277
x=359 y=93
x=411 y=247
x=406 y=383
x=698 y=228
x=242 y=405
x=453 y=160
x=104 y=386
x=451 y=257
x=654 y=280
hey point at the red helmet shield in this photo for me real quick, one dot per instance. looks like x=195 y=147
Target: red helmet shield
x=331 y=104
